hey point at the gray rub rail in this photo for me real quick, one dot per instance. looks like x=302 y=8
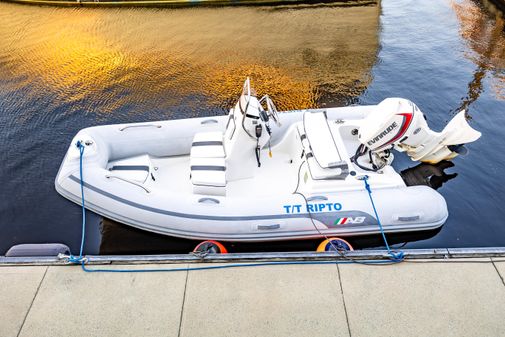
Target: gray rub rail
x=439 y=253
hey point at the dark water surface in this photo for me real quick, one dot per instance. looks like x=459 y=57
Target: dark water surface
x=63 y=69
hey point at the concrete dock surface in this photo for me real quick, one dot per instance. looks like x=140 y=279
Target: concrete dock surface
x=456 y=297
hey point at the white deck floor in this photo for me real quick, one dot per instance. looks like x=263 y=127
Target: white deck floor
x=276 y=171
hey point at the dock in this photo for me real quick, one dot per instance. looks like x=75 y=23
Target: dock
x=433 y=293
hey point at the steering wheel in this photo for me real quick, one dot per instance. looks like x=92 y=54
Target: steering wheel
x=271 y=109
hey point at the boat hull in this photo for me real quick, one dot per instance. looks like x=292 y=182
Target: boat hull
x=271 y=217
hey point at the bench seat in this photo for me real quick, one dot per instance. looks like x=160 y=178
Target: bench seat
x=207 y=164
x=321 y=151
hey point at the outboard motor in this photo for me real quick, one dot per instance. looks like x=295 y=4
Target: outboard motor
x=398 y=123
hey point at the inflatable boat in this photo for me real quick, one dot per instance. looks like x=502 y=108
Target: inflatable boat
x=259 y=175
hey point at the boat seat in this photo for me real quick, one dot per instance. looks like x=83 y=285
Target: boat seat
x=208 y=176
x=137 y=169
x=207 y=145
x=321 y=151
x=208 y=166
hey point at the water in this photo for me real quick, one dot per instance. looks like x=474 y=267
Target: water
x=63 y=69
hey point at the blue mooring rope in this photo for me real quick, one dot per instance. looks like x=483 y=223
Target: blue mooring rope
x=80 y=258
x=394 y=257
x=232 y=265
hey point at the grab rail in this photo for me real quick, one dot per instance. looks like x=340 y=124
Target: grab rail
x=209 y=121
x=408 y=218
x=109 y=176
x=317 y=197
x=139 y=126
x=202 y=200
x=269 y=227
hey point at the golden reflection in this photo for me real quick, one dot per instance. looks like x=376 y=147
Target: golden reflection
x=485 y=36
x=99 y=60
x=287 y=92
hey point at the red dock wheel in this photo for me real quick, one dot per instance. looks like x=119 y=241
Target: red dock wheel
x=211 y=247
x=332 y=244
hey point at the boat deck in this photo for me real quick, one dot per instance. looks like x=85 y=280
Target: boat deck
x=277 y=171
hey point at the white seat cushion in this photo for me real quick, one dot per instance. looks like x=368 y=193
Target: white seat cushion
x=208 y=145
x=208 y=176
x=337 y=170
x=135 y=168
x=207 y=163
x=318 y=173
x=321 y=140
x=208 y=172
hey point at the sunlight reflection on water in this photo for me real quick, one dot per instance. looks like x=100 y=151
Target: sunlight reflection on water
x=110 y=58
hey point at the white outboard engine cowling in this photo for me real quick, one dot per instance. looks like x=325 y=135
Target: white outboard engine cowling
x=397 y=122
